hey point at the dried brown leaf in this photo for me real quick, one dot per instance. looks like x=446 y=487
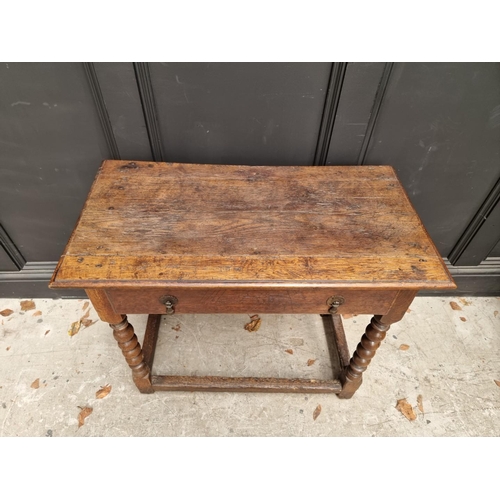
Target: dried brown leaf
x=463 y=319
x=35 y=384
x=316 y=412
x=404 y=347
x=311 y=362
x=85 y=412
x=289 y=351
x=74 y=328
x=6 y=312
x=497 y=382
x=254 y=316
x=177 y=327
x=420 y=402
x=88 y=322
x=406 y=409
x=37 y=313
x=27 y=305
x=465 y=302
x=103 y=392
x=85 y=305
x=254 y=325
x=455 y=306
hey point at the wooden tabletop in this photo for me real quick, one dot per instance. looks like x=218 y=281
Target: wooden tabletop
x=148 y=224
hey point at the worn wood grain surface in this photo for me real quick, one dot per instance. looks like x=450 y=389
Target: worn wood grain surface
x=150 y=223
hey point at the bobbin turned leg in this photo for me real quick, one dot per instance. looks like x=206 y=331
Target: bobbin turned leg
x=352 y=375
x=124 y=334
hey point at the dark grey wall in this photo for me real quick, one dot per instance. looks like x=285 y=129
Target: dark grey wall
x=437 y=127
x=6 y=264
x=438 y=124
x=51 y=145
x=240 y=113
x=496 y=250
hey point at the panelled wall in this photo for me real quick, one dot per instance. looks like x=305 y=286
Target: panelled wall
x=438 y=124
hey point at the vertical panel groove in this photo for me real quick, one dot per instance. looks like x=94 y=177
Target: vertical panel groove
x=101 y=110
x=11 y=249
x=475 y=224
x=329 y=112
x=377 y=103
x=145 y=87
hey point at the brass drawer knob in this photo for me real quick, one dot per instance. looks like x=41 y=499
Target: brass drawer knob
x=169 y=301
x=335 y=301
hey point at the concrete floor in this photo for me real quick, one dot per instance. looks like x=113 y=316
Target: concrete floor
x=452 y=361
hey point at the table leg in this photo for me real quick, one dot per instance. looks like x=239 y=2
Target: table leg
x=124 y=334
x=352 y=375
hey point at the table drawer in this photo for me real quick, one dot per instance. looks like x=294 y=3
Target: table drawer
x=283 y=300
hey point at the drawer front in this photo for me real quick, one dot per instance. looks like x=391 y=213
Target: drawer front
x=250 y=300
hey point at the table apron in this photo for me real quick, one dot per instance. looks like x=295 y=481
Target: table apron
x=225 y=300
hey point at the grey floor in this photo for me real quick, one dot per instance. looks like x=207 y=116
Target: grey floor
x=450 y=359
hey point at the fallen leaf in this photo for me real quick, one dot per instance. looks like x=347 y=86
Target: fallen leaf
x=37 y=313
x=177 y=327
x=7 y=348
x=8 y=312
x=289 y=351
x=88 y=322
x=311 y=362
x=455 y=306
x=254 y=325
x=406 y=409
x=420 y=403
x=47 y=332
x=404 y=347
x=497 y=382
x=27 y=305
x=103 y=392
x=495 y=313
x=74 y=328
x=465 y=302
x=35 y=384
x=85 y=305
x=463 y=319
x=86 y=411
x=316 y=412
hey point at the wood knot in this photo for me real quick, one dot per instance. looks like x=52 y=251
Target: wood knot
x=131 y=164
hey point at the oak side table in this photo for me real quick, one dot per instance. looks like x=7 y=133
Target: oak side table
x=173 y=238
